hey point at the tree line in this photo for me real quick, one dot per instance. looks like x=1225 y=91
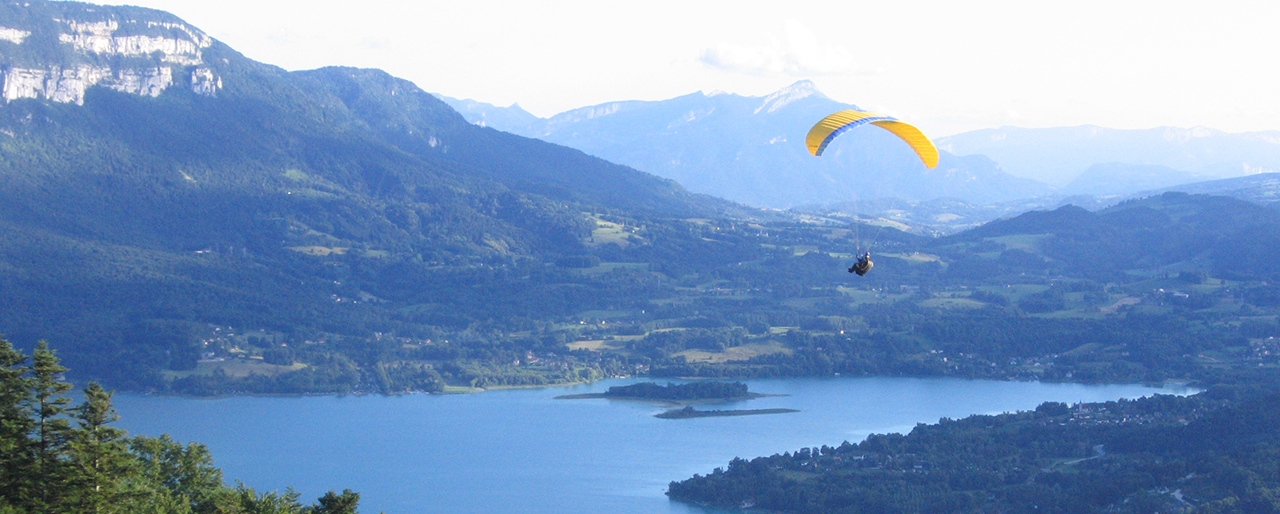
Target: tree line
x=56 y=457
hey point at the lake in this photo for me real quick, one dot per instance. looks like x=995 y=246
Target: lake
x=522 y=451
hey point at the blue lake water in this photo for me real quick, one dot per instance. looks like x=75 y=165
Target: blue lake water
x=522 y=451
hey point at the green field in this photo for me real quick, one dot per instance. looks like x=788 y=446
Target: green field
x=952 y=303
x=736 y=353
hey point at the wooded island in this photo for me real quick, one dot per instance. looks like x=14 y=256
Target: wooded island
x=679 y=394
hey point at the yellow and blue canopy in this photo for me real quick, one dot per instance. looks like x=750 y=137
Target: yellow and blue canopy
x=824 y=131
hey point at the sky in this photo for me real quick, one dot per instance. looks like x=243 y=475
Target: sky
x=945 y=66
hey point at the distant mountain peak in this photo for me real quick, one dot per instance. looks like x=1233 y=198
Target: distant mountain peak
x=780 y=98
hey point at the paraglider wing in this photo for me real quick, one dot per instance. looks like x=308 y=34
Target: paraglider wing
x=828 y=128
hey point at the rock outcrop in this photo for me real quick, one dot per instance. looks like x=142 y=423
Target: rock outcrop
x=119 y=51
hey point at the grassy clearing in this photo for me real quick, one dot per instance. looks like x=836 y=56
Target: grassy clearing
x=799 y=250
x=606 y=267
x=595 y=345
x=859 y=296
x=671 y=301
x=803 y=303
x=916 y=257
x=1015 y=292
x=608 y=232
x=883 y=222
x=1084 y=313
x=311 y=193
x=952 y=303
x=736 y=353
x=1025 y=242
x=1122 y=302
x=1084 y=349
x=1227 y=306
x=606 y=314
x=320 y=251
x=236 y=368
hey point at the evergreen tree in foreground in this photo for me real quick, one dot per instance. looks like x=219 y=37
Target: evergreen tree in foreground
x=60 y=459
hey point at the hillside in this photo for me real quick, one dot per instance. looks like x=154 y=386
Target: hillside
x=1112 y=178
x=160 y=188
x=1262 y=189
x=1170 y=233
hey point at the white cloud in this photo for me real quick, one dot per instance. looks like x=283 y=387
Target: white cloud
x=797 y=51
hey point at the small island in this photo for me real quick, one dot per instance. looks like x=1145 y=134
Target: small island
x=690 y=413
x=675 y=394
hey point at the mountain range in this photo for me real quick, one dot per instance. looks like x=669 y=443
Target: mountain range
x=1064 y=156
x=751 y=149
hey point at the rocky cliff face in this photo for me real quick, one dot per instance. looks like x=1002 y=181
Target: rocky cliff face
x=56 y=51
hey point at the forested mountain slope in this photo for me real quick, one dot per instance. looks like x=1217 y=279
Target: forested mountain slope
x=1170 y=233
x=419 y=124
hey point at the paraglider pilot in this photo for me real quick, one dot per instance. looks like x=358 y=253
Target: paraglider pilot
x=863 y=265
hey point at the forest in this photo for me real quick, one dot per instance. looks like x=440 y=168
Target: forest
x=1213 y=452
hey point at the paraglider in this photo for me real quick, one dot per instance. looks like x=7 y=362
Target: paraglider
x=863 y=265
x=828 y=128
x=824 y=131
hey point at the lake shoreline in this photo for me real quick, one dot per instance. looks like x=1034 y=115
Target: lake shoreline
x=451 y=390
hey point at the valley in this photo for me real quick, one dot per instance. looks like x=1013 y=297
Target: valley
x=254 y=254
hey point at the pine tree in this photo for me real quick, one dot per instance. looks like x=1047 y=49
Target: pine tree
x=15 y=426
x=99 y=460
x=185 y=473
x=333 y=503
x=52 y=429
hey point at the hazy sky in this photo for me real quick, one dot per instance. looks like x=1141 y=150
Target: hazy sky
x=947 y=66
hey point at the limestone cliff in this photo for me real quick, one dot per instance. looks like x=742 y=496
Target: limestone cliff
x=57 y=50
